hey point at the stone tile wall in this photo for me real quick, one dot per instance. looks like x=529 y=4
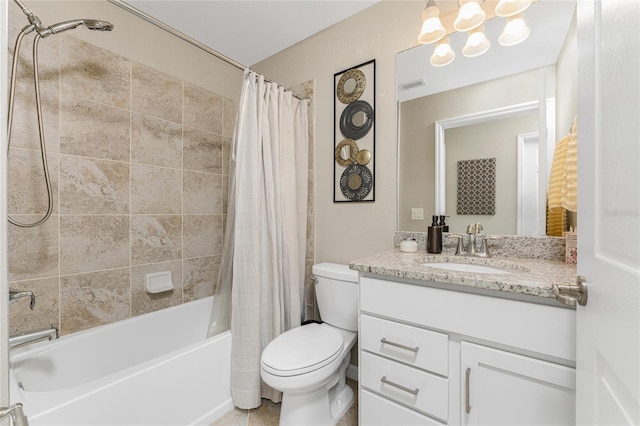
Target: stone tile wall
x=138 y=162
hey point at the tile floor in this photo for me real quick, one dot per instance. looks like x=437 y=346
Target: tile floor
x=268 y=414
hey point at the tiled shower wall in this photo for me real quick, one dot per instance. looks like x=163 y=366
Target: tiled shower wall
x=138 y=162
x=139 y=169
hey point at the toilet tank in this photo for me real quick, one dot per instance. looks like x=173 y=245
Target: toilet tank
x=337 y=295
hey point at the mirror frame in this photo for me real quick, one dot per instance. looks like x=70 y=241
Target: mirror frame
x=546 y=121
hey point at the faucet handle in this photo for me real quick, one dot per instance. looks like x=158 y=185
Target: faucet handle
x=460 y=251
x=471 y=229
x=484 y=251
x=15 y=295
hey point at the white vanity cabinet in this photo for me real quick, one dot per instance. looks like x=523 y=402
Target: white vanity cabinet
x=430 y=355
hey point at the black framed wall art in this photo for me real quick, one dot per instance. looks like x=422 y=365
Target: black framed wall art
x=354 y=133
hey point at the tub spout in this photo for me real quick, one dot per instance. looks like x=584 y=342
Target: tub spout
x=48 y=333
x=17 y=415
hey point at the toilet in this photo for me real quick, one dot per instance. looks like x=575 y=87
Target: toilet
x=308 y=364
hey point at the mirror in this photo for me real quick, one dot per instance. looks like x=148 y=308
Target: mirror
x=465 y=105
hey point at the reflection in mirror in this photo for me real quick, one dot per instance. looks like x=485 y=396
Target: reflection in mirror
x=510 y=137
x=349 y=86
x=530 y=72
x=359 y=119
x=345 y=152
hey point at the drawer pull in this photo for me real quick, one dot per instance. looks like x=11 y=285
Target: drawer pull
x=396 y=385
x=467 y=405
x=399 y=345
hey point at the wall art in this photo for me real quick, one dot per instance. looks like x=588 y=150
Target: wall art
x=354 y=133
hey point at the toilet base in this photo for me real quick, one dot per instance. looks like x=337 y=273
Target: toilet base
x=321 y=407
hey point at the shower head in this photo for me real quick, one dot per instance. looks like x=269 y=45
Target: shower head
x=91 y=24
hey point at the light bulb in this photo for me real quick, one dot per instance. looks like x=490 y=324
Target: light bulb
x=515 y=31
x=443 y=54
x=470 y=16
x=477 y=43
x=432 y=29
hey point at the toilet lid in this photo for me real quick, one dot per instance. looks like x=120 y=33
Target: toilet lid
x=302 y=349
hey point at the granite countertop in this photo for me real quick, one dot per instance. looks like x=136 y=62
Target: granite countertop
x=532 y=277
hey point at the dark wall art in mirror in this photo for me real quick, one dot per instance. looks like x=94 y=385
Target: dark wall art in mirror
x=354 y=133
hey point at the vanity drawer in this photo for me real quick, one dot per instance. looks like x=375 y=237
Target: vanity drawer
x=378 y=411
x=412 y=345
x=412 y=387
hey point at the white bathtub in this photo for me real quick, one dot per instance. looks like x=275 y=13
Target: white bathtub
x=155 y=369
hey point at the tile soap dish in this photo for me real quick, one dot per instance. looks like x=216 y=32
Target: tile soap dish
x=158 y=282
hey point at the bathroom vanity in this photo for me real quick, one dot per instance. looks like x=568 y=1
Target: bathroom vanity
x=439 y=346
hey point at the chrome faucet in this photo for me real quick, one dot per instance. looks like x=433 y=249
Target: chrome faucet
x=20 y=339
x=473 y=230
x=17 y=414
x=15 y=295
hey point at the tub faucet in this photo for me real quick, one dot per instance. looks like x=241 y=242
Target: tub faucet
x=47 y=333
x=17 y=414
x=15 y=295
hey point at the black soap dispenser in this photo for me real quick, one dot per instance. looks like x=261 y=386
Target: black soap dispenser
x=434 y=236
x=445 y=227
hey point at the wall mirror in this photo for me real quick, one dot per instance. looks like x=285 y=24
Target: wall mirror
x=523 y=97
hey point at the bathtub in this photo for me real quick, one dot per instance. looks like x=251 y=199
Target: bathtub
x=155 y=369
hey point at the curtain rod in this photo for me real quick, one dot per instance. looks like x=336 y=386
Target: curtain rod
x=192 y=41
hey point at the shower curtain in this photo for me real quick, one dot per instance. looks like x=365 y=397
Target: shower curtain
x=263 y=262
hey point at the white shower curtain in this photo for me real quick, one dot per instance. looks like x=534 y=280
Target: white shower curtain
x=263 y=264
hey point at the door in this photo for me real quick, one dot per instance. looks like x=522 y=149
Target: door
x=503 y=388
x=608 y=351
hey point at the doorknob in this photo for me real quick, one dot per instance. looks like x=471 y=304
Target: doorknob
x=571 y=294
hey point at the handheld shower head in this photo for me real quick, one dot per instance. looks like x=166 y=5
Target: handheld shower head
x=91 y=24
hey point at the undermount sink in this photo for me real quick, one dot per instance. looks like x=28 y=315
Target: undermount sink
x=466 y=267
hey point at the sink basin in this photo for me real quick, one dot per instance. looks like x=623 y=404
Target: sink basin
x=466 y=267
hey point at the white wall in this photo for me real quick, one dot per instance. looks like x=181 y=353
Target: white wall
x=143 y=42
x=347 y=231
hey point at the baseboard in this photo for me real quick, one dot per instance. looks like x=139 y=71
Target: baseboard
x=352 y=372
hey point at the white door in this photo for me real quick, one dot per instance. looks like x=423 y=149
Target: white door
x=608 y=389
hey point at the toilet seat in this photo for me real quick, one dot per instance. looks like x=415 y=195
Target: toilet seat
x=302 y=350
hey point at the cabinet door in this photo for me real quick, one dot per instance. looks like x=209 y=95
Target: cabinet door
x=502 y=388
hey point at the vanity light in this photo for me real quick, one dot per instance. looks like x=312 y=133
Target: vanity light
x=477 y=43
x=506 y=8
x=515 y=31
x=432 y=29
x=470 y=15
x=443 y=53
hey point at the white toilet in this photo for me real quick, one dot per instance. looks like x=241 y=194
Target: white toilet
x=309 y=363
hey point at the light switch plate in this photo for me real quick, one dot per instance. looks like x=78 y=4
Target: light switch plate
x=417 y=213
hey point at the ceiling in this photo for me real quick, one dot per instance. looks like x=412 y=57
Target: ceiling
x=250 y=31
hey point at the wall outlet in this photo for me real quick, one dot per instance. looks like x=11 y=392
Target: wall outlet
x=417 y=213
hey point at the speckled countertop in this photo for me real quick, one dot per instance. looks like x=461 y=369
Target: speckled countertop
x=532 y=277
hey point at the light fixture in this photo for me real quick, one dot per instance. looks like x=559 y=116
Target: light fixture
x=432 y=29
x=515 y=31
x=470 y=18
x=477 y=43
x=506 y=8
x=443 y=53
x=470 y=15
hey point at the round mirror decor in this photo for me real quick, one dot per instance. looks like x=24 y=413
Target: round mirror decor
x=351 y=147
x=351 y=86
x=348 y=126
x=356 y=182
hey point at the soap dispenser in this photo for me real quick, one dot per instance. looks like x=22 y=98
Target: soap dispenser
x=434 y=236
x=445 y=227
